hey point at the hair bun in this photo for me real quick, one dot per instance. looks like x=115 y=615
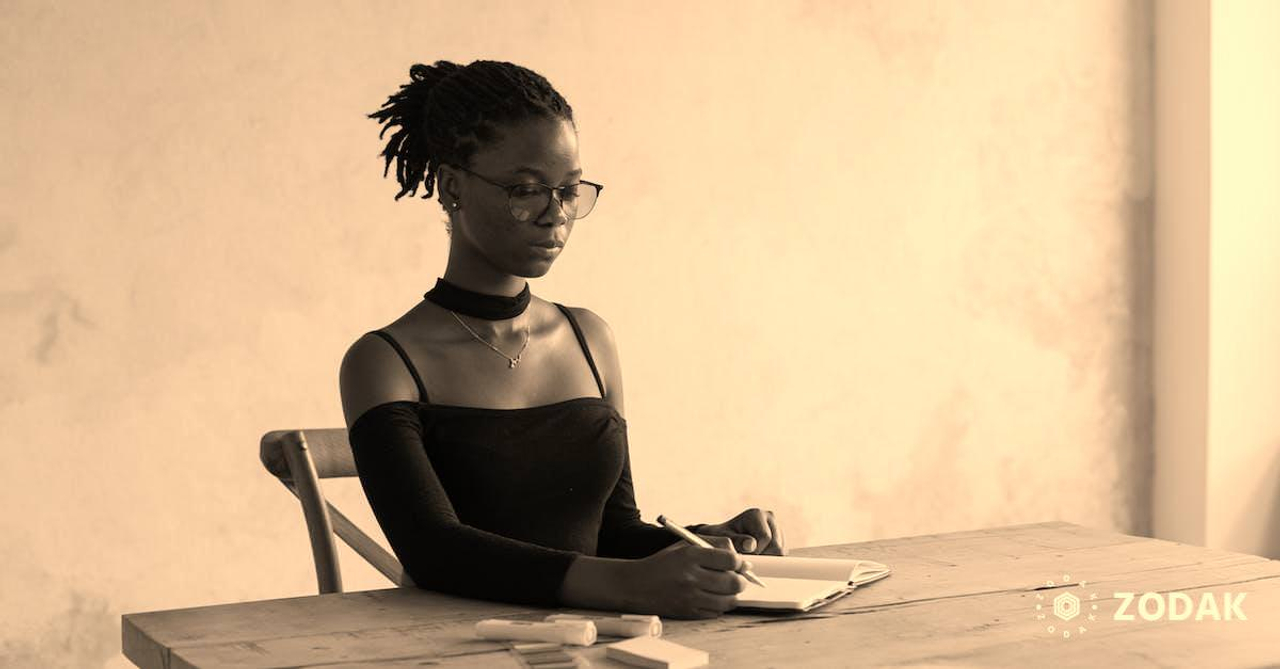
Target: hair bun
x=441 y=69
x=447 y=111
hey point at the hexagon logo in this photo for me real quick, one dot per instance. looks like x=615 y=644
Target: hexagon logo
x=1066 y=606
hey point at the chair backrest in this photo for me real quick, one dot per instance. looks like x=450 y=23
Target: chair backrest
x=299 y=459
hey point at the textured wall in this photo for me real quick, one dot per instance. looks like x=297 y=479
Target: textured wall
x=879 y=267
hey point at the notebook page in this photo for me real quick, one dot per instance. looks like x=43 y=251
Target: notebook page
x=818 y=569
x=787 y=593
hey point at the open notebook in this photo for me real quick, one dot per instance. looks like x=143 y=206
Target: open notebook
x=802 y=584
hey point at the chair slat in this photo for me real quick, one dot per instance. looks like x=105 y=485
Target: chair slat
x=298 y=458
x=367 y=548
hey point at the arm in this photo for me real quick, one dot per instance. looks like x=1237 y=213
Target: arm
x=622 y=533
x=436 y=549
x=411 y=505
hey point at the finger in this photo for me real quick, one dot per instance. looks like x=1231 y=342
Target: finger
x=739 y=543
x=755 y=522
x=745 y=543
x=718 y=558
x=721 y=582
x=742 y=543
x=720 y=542
x=777 y=546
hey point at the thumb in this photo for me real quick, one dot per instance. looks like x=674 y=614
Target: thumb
x=745 y=542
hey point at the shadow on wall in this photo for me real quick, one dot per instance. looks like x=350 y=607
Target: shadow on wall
x=1137 y=467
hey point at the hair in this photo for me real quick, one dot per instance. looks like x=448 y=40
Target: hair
x=447 y=112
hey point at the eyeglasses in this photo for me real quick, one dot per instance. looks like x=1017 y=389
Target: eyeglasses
x=528 y=201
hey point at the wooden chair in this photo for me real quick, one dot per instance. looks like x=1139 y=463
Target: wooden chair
x=299 y=459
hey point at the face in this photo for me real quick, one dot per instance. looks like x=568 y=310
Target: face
x=484 y=229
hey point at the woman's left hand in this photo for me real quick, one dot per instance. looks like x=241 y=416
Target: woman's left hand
x=752 y=531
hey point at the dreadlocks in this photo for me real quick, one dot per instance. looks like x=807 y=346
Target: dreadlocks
x=447 y=112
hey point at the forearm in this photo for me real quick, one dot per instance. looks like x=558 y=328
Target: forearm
x=471 y=562
x=633 y=538
x=596 y=583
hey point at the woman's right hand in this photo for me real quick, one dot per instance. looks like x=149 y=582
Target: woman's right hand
x=687 y=581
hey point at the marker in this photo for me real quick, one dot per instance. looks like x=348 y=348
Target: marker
x=625 y=625
x=698 y=541
x=577 y=632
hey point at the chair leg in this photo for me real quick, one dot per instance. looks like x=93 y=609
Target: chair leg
x=306 y=486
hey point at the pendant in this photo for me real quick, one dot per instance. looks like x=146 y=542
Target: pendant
x=513 y=363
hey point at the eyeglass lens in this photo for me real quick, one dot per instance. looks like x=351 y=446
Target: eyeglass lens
x=529 y=201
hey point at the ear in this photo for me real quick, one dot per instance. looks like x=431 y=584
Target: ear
x=448 y=186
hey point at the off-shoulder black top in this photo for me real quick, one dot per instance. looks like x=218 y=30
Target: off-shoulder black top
x=497 y=503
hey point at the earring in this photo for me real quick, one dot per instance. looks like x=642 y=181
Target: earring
x=455 y=206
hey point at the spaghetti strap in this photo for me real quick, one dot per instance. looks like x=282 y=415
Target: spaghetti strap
x=422 y=391
x=582 y=341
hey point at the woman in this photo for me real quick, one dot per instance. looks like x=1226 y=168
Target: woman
x=486 y=423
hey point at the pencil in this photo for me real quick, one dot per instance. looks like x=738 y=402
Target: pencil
x=699 y=541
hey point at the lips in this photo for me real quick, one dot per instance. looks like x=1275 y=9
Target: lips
x=549 y=244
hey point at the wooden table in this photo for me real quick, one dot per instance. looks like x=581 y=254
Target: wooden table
x=956 y=599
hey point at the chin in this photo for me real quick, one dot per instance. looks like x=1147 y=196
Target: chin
x=533 y=272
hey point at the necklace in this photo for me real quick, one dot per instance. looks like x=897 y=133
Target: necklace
x=512 y=361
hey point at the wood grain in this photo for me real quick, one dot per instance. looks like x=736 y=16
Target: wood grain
x=955 y=599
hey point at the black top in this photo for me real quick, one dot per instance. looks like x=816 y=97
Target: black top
x=497 y=503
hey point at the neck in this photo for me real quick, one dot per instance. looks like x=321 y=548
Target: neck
x=504 y=285
x=492 y=312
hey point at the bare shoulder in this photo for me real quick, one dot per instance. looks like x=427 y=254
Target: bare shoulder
x=604 y=349
x=372 y=373
x=594 y=328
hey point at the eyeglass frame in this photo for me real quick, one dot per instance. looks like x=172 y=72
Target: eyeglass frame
x=558 y=194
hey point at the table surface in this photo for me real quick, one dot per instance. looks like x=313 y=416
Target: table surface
x=956 y=599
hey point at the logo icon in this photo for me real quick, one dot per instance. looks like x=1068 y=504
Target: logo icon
x=1065 y=608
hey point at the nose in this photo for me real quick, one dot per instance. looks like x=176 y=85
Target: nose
x=555 y=212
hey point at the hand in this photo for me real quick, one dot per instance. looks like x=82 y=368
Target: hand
x=752 y=531
x=686 y=581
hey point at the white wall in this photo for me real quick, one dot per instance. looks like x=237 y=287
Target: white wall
x=1243 y=513
x=1217 y=289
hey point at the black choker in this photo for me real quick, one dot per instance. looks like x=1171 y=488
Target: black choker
x=481 y=305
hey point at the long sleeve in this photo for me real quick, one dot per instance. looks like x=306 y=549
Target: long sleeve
x=437 y=550
x=622 y=533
